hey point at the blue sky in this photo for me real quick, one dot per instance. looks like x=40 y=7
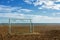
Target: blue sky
x=40 y=11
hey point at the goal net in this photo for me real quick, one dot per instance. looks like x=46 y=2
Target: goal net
x=20 y=26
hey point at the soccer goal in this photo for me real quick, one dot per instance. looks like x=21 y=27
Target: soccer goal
x=20 y=25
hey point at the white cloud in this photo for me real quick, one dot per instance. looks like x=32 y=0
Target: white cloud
x=13 y=12
x=51 y=5
x=56 y=14
x=37 y=3
x=28 y=1
x=35 y=18
x=26 y=10
x=57 y=0
x=17 y=14
x=8 y=9
x=47 y=4
x=12 y=15
x=45 y=19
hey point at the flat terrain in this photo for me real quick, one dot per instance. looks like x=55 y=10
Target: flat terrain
x=40 y=32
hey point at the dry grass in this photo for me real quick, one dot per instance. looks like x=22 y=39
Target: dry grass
x=40 y=33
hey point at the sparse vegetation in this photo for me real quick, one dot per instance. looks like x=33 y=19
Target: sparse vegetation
x=40 y=33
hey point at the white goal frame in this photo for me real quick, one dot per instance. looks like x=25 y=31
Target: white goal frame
x=30 y=27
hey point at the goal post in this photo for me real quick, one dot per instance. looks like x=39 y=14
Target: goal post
x=15 y=19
